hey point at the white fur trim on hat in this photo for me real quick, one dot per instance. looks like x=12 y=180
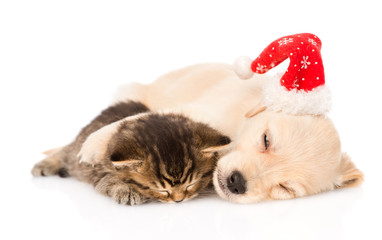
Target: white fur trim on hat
x=297 y=102
x=242 y=67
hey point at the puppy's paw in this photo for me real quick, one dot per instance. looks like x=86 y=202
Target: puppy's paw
x=94 y=148
x=45 y=168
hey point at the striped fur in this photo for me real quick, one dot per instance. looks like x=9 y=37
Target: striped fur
x=155 y=156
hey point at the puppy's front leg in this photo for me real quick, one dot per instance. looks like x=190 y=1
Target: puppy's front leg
x=94 y=149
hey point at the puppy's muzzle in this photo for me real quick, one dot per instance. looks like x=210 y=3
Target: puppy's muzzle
x=236 y=183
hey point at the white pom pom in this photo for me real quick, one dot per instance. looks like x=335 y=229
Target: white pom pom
x=242 y=67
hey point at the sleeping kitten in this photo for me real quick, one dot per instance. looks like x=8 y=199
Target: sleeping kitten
x=152 y=156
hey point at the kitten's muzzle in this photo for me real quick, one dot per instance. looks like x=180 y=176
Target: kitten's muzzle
x=176 y=197
x=236 y=183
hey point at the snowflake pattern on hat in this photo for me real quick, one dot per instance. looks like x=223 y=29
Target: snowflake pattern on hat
x=305 y=70
x=301 y=89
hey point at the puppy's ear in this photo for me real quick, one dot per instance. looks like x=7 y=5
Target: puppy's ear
x=210 y=140
x=255 y=110
x=349 y=175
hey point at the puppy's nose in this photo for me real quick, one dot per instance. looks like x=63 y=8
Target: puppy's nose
x=236 y=183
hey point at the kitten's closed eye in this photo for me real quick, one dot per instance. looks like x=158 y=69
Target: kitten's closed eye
x=169 y=154
x=165 y=193
x=191 y=187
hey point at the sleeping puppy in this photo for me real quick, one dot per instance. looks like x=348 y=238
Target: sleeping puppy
x=272 y=155
x=281 y=156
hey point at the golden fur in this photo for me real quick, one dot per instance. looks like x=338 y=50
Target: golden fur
x=304 y=155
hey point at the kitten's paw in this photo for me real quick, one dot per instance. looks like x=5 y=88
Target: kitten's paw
x=45 y=168
x=126 y=196
x=114 y=187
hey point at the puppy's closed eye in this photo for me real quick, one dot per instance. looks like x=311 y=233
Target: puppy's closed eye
x=281 y=192
x=286 y=190
x=266 y=141
x=289 y=190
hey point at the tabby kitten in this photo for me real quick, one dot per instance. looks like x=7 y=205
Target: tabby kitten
x=152 y=156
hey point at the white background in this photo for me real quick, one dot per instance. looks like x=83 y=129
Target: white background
x=61 y=61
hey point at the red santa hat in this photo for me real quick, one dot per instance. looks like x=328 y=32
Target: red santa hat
x=301 y=90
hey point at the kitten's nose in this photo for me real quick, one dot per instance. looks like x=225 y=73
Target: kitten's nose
x=178 y=197
x=236 y=183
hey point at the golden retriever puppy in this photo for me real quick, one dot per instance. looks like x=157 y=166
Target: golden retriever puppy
x=281 y=156
x=272 y=156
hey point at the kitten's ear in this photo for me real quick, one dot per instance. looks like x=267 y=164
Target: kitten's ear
x=220 y=145
x=124 y=152
x=130 y=163
x=211 y=140
x=349 y=175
